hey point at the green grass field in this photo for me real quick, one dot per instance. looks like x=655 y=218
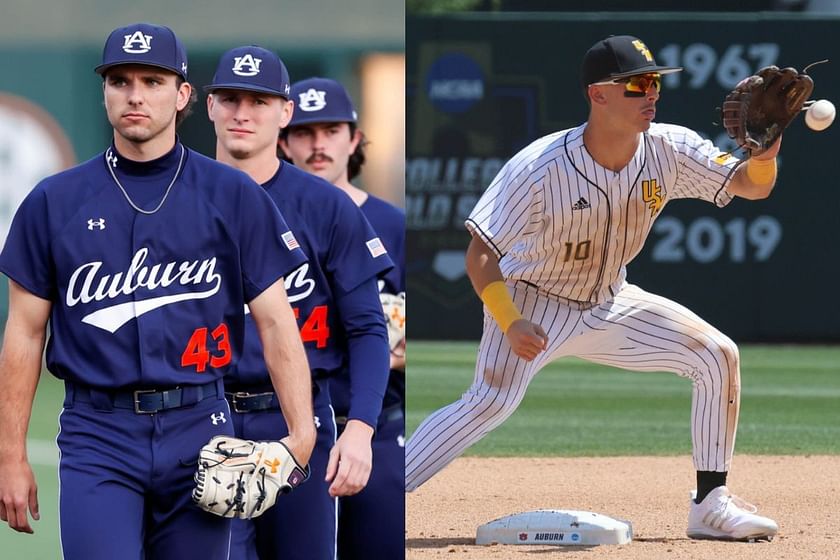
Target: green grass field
x=790 y=404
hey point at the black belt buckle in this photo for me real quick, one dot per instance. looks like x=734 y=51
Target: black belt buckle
x=235 y=402
x=137 y=408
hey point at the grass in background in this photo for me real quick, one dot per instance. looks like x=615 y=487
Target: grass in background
x=790 y=404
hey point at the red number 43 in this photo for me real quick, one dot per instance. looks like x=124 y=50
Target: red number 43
x=196 y=353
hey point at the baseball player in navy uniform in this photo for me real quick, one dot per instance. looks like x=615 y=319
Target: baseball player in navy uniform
x=335 y=299
x=552 y=236
x=142 y=259
x=324 y=139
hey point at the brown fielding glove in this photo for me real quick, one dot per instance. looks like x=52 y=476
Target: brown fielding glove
x=760 y=107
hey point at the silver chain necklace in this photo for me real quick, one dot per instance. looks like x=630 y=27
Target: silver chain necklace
x=110 y=167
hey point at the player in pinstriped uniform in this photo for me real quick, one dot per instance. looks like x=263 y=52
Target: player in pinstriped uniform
x=552 y=236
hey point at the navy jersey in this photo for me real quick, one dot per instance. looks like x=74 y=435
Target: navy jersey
x=343 y=253
x=389 y=223
x=147 y=293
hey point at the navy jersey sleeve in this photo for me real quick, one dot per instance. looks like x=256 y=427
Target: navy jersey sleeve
x=356 y=251
x=264 y=232
x=389 y=222
x=367 y=342
x=399 y=253
x=26 y=256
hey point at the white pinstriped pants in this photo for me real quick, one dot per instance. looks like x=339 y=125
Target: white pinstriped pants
x=635 y=330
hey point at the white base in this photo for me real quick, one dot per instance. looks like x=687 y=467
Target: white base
x=555 y=527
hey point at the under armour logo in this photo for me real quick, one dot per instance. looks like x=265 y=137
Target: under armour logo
x=312 y=100
x=111 y=158
x=581 y=204
x=137 y=43
x=216 y=418
x=317 y=422
x=401 y=440
x=99 y=224
x=274 y=463
x=240 y=62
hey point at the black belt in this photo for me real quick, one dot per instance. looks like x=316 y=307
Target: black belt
x=145 y=401
x=254 y=398
x=242 y=401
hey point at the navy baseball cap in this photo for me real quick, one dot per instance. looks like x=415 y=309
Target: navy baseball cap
x=321 y=100
x=619 y=56
x=251 y=68
x=147 y=44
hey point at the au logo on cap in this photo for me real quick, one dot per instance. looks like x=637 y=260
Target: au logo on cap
x=137 y=43
x=312 y=100
x=241 y=62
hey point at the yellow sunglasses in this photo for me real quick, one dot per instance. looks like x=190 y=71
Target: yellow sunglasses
x=636 y=86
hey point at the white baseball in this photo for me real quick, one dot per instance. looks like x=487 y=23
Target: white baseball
x=820 y=115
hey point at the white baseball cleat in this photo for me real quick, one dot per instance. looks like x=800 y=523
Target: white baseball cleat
x=724 y=516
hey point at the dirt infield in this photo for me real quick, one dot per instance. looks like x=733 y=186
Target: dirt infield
x=801 y=493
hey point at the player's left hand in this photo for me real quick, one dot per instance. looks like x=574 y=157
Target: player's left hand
x=351 y=459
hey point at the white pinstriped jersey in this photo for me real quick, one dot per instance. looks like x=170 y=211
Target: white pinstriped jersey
x=558 y=220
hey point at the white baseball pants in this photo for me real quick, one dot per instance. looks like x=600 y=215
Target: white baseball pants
x=635 y=330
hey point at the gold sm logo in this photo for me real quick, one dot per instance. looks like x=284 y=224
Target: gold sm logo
x=642 y=48
x=652 y=194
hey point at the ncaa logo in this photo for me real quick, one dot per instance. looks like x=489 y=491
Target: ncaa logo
x=312 y=100
x=216 y=418
x=253 y=65
x=454 y=83
x=137 y=43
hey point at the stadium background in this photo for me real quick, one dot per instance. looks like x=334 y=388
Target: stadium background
x=481 y=86
x=51 y=117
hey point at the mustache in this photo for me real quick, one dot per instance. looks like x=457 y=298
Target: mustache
x=318 y=156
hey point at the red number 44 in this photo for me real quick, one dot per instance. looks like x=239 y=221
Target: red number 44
x=315 y=328
x=196 y=353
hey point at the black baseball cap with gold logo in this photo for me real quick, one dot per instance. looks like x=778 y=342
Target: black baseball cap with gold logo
x=619 y=56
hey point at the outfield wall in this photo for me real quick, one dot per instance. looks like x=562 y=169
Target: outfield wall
x=481 y=87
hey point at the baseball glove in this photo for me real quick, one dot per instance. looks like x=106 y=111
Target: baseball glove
x=760 y=107
x=394 y=308
x=241 y=478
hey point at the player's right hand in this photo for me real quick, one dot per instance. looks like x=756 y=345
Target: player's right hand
x=18 y=495
x=526 y=339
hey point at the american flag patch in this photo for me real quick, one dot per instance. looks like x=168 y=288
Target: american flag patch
x=376 y=248
x=290 y=241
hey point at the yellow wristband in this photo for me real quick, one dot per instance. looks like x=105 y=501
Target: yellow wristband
x=761 y=171
x=498 y=301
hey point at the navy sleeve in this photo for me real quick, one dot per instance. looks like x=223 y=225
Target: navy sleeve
x=27 y=257
x=367 y=342
x=268 y=249
x=356 y=252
